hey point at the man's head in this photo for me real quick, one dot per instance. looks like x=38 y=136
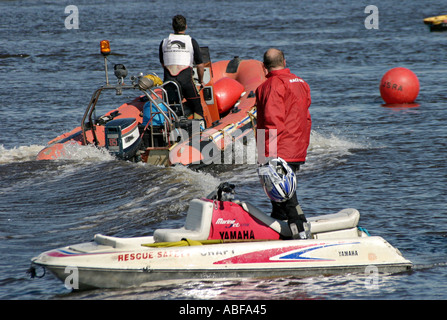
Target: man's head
x=274 y=59
x=179 y=23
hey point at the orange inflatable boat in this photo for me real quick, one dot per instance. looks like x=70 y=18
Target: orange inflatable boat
x=156 y=127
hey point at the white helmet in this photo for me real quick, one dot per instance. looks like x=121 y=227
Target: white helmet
x=277 y=179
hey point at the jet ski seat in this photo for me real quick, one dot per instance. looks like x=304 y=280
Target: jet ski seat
x=344 y=219
x=278 y=225
x=197 y=225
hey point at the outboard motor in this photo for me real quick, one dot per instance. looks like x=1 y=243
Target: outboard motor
x=122 y=138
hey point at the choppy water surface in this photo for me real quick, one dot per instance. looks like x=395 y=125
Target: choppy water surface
x=387 y=162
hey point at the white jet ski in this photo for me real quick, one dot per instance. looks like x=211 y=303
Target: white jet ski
x=221 y=239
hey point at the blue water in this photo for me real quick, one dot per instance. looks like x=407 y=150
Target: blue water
x=389 y=163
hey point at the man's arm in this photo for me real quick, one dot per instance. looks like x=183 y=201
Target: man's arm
x=198 y=60
x=200 y=72
x=160 y=54
x=273 y=118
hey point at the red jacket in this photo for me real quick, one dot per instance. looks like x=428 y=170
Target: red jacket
x=283 y=102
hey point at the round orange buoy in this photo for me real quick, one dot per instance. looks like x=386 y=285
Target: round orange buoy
x=399 y=85
x=228 y=91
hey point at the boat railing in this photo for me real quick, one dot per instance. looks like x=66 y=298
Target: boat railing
x=89 y=123
x=176 y=103
x=87 y=119
x=155 y=102
x=169 y=114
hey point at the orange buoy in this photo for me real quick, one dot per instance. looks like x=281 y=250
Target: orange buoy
x=399 y=85
x=228 y=91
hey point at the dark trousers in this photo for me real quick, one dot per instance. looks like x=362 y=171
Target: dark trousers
x=189 y=91
x=290 y=210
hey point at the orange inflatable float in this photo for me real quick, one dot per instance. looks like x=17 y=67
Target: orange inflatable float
x=399 y=85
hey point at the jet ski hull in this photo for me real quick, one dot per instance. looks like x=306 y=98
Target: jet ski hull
x=128 y=262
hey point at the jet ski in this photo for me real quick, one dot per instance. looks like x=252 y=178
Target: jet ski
x=223 y=238
x=157 y=127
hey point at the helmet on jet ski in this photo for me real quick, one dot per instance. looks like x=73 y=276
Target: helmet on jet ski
x=277 y=179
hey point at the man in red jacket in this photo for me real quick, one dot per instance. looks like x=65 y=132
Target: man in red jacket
x=283 y=102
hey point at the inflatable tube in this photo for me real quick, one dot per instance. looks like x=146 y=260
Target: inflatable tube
x=52 y=152
x=228 y=91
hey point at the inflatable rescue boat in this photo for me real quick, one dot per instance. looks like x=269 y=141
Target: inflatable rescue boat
x=157 y=127
x=223 y=238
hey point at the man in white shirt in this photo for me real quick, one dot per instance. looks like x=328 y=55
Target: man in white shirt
x=178 y=53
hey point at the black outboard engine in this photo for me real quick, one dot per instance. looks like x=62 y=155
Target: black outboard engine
x=123 y=138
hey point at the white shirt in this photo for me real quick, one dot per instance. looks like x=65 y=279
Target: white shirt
x=178 y=53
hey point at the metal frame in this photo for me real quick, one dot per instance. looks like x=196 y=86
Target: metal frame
x=88 y=123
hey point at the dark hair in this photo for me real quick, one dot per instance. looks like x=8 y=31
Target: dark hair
x=179 y=23
x=273 y=58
